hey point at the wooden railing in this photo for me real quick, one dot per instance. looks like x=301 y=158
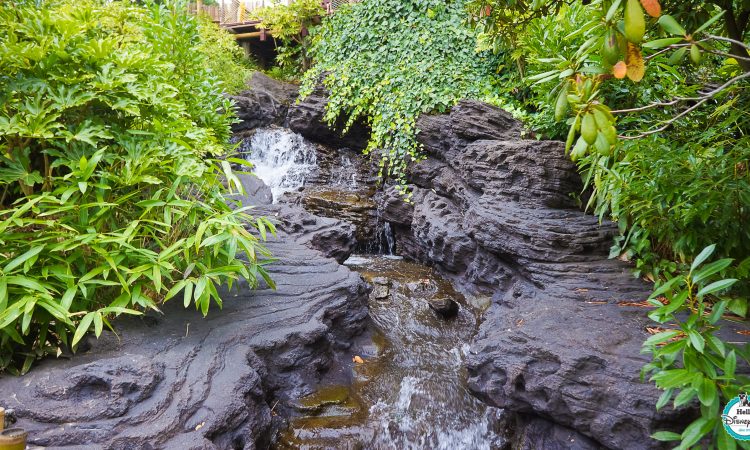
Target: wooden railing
x=232 y=12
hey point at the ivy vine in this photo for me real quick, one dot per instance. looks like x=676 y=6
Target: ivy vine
x=388 y=61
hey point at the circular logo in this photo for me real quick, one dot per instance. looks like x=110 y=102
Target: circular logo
x=736 y=417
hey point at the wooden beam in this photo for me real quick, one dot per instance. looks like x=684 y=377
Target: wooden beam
x=250 y=35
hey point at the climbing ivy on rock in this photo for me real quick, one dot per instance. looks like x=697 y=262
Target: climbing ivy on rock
x=387 y=62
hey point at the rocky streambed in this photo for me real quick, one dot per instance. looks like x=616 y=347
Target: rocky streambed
x=348 y=351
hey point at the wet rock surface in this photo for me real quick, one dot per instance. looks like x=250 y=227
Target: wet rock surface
x=498 y=214
x=265 y=102
x=443 y=307
x=181 y=381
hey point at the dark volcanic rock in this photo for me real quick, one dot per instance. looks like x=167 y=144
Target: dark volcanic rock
x=536 y=434
x=443 y=306
x=256 y=191
x=497 y=213
x=181 y=381
x=306 y=117
x=266 y=102
x=332 y=237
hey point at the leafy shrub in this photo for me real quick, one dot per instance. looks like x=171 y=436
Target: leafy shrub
x=388 y=61
x=111 y=193
x=223 y=57
x=290 y=26
x=689 y=361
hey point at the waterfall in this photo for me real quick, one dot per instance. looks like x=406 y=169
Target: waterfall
x=345 y=174
x=389 y=238
x=281 y=158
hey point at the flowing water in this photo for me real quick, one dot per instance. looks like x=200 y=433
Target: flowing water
x=408 y=387
x=281 y=158
x=410 y=391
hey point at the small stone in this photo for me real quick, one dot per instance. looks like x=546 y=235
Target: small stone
x=444 y=306
x=380 y=291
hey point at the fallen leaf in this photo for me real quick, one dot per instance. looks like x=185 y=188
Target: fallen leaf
x=641 y=304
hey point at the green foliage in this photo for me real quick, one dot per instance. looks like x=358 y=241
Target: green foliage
x=111 y=190
x=388 y=61
x=223 y=57
x=690 y=363
x=290 y=24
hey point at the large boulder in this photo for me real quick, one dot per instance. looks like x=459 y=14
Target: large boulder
x=307 y=117
x=558 y=343
x=265 y=102
x=178 y=380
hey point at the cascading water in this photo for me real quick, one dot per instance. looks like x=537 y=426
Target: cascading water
x=409 y=393
x=345 y=174
x=390 y=240
x=281 y=158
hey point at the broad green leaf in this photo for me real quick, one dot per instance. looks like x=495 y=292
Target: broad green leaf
x=22 y=258
x=83 y=327
x=666 y=436
x=702 y=256
x=696 y=340
x=710 y=269
x=730 y=364
x=695 y=431
x=717 y=286
x=707 y=392
x=98 y=323
x=684 y=397
x=670 y=25
x=661 y=43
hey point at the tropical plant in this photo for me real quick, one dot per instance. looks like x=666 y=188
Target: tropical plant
x=112 y=134
x=689 y=361
x=290 y=25
x=223 y=57
x=387 y=62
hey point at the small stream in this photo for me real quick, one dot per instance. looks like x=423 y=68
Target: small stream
x=410 y=391
x=408 y=388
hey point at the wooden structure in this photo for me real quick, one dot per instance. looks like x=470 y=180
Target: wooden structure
x=235 y=15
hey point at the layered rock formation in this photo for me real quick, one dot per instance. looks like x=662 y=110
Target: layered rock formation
x=266 y=102
x=498 y=213
x=182 y=381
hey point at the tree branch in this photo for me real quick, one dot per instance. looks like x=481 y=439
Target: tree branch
x=700 y=100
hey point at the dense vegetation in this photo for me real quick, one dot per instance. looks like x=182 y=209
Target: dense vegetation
x=388 y=61
x=673 y=173
x=290 y=27
x=670 y=165
x=112 y=123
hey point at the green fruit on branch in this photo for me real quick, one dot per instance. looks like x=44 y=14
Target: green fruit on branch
x=635 y=22
x=610 y=47
x=589 y=129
